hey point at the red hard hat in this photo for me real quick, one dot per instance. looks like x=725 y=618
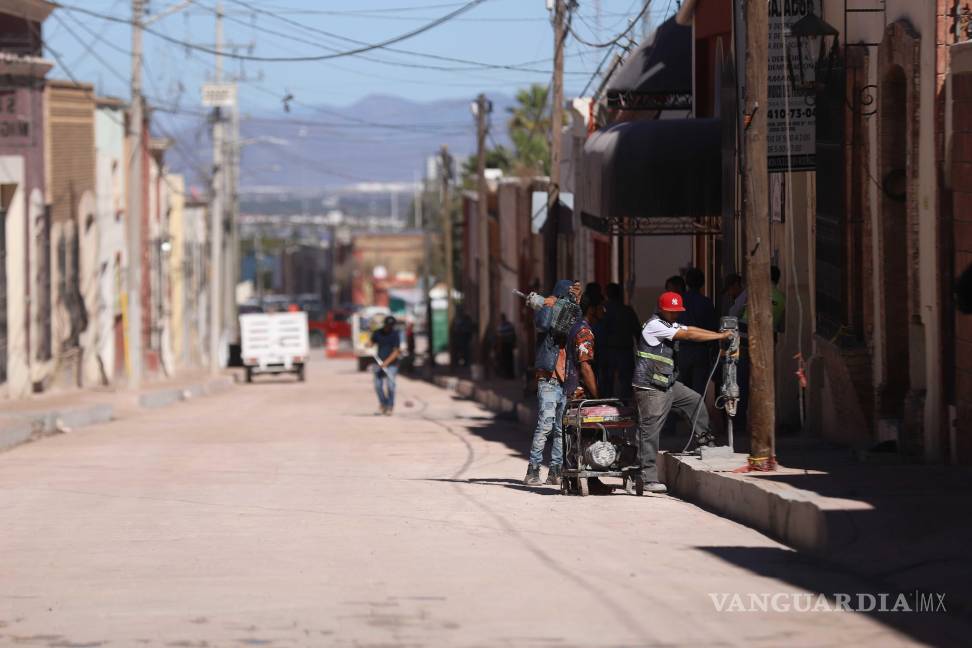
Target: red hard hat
x=670 y=301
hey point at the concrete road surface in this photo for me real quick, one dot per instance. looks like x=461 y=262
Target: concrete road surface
x=284 y=514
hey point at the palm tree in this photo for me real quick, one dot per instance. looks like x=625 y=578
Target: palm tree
x=528 y=127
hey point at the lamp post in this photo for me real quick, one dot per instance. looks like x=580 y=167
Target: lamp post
x=811 y=34
x=817 y=42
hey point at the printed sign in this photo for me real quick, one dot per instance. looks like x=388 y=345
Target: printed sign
x=15 y=117
x=791 y=109
x=221 y=95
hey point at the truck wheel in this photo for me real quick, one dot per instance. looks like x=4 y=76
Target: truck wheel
x=300 y=373
x=249 y=374
x=363 y=363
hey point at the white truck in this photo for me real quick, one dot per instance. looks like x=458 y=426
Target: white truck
x=274 y=343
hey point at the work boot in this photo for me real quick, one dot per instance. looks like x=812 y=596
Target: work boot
x=656 y=488
x=532 y=476
x=553 y=476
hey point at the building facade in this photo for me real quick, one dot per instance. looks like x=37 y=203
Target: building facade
x=24 y=224
x=70 y=146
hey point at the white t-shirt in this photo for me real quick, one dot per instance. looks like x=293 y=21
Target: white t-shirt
x=655 y=331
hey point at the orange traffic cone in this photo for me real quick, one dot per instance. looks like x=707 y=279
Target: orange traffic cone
x=332 y=346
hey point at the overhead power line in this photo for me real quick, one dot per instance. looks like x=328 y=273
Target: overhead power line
x=284 y=59
x=515 y=67
x=617 y=39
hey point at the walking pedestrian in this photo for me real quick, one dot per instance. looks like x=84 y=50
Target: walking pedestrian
x=388 y=341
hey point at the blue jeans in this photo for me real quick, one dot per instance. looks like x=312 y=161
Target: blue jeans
x=385 y=385
x=551 y=400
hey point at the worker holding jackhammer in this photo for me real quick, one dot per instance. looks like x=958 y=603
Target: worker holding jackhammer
x=551 y=375
x=656 y=386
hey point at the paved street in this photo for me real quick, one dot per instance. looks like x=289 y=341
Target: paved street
x=284 y=514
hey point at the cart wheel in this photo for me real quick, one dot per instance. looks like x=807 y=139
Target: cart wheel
x=584 y=487
x=249 y=374
x=300 y=374
x=639 y=486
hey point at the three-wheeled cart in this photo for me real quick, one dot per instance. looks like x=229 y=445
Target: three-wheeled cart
x=600 y=440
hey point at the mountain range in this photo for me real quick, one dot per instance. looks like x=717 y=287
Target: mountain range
x=380 y=138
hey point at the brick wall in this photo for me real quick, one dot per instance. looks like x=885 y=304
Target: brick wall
x=962 y=219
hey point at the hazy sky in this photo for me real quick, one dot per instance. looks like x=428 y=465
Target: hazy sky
x=497 y=32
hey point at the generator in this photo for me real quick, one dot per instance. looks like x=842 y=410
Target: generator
x=600 y=440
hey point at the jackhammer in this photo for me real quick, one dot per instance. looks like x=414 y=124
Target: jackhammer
x=729 y=389
x=728 y=398
x=564 y=312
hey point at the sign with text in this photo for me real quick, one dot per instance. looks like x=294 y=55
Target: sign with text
x=219 y=95
x=16 y=117
x=791 y=114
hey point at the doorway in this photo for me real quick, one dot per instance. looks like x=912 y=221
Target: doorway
x=893 y=226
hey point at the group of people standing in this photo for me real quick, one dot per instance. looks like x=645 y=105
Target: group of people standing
x=609 y=353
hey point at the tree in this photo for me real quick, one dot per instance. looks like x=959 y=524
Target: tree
x=496 y=158
x=528 y=127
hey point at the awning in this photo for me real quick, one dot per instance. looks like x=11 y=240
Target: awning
x=653 y=170
x=658 y=75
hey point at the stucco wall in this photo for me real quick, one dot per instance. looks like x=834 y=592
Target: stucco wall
x=924 y=320
x=112 y=255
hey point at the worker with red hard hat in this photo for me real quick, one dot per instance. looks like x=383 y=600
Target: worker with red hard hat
x=657 y=390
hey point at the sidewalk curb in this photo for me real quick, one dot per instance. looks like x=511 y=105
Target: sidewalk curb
x=164 y=397
x=792 y=516
x=16 y=429
x=19 y=428
x=488 y=398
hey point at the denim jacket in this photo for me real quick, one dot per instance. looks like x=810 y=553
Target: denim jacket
x=547 y=347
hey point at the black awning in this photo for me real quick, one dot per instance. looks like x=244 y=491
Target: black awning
x=658 y=75
x=667 y=168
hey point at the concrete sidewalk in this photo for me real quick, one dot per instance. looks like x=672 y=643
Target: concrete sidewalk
x=904 y=526
x=28 y=419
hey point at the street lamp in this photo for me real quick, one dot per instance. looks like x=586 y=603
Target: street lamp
x=811 y=33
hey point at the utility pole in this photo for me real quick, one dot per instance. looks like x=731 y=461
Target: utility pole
x=556 y=121
x=482 y=109
x=446 y=164
x=216 y=209
x=232 y=261
x=426 y=277
x=762 y=400
x=135 y=206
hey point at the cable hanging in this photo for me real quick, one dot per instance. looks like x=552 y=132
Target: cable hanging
x=282 y=59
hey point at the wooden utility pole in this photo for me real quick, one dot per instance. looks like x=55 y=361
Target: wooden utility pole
x=135 y=206
x=217 y=208
x=762 y=397
x=426 y=277
x=556 y=122
x=446 y=173
x=483 y=106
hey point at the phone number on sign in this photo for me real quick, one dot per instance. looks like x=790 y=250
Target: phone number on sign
x=795 y=113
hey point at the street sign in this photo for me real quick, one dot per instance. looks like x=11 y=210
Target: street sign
x=791 y=113
x=219 y=95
